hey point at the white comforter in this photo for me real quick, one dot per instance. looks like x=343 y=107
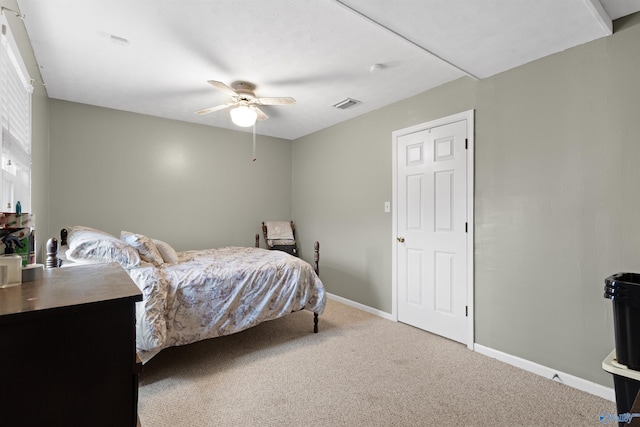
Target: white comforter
x=215 y=292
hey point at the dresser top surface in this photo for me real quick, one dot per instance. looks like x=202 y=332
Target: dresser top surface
x=72 y=286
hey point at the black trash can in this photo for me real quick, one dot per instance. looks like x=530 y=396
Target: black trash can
x=623 y=289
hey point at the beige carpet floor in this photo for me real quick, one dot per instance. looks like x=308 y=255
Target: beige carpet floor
x=359 y=370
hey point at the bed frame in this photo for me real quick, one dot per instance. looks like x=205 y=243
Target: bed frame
x=52 y=260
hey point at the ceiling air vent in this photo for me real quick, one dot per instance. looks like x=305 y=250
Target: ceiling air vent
x=346 y=103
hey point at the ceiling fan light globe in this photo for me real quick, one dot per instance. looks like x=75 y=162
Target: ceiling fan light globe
x=243 y=116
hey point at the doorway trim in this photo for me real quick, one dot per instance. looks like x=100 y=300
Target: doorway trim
x=469 y=117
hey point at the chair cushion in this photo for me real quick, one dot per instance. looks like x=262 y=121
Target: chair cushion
x=290 y=249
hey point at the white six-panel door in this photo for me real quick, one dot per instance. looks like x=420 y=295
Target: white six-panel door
x=431 y=230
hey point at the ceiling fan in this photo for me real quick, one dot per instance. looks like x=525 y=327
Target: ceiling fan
x=245 y=104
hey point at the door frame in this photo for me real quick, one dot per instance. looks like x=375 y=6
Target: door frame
x=469 y=117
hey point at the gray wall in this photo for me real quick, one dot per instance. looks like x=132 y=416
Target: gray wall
x=193 y=186
x=342 y=177
x=558 y=144
x=557 y=183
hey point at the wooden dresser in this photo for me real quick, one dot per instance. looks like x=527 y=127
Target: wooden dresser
x=67 y=349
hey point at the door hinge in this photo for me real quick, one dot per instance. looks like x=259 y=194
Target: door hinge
x=466 y=143
x=466 y=310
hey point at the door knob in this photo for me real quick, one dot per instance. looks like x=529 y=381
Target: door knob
x=400 y=239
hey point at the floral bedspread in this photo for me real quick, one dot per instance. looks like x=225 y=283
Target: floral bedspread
x=215 y=292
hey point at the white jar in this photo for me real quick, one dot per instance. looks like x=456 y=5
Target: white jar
x=14 y=269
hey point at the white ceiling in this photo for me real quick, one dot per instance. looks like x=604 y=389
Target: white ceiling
x=316 y=51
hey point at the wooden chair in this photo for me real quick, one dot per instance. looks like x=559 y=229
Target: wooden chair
x=280 y=236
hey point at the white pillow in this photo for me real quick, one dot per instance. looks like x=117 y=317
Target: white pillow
x=88 y=246
x=145 y=247
x=65 y=262
x=169 y=255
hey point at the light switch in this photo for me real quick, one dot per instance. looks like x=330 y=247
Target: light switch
x=387 y=207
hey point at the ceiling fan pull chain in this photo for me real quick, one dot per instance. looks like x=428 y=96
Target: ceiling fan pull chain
x=254 y=142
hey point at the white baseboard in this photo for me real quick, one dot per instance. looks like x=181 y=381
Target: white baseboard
x=567 y=379
x=359 y=306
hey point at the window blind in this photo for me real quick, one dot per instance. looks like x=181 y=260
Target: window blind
x=15 y=118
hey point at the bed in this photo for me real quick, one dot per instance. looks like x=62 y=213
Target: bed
x=194 y=295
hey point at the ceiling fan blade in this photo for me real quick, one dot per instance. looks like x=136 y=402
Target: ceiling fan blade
x=223 y=87
x=212 y=109
x=275 y=101
x=261 y=114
